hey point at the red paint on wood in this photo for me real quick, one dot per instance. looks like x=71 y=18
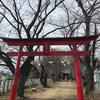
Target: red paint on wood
x=79 y=85
x=15 y=81
x=46 y=47
x=53 y=53
x=53 y=41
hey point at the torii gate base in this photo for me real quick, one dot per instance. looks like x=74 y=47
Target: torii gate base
x=46 y=42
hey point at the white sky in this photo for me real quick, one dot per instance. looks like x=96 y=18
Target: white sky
x=55 y=15
x=5 y=29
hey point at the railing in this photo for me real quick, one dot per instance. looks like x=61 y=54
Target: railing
x=5 y=85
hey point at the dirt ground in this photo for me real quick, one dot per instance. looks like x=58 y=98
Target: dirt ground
x=56 y=91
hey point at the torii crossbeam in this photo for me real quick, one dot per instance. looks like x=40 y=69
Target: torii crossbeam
x=46 y=43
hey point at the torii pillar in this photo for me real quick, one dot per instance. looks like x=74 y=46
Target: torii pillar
x=47 y=42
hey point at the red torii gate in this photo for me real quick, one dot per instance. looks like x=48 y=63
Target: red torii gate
x=46 y=43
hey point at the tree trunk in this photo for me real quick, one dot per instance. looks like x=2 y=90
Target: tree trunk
x=43 y=76
x=24 y=73
x=89 y=80
x=22 y=79
x=21 y=85
x=43 y=79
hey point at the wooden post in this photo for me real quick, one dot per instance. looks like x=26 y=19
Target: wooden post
x=79 y=86
x=15 y=81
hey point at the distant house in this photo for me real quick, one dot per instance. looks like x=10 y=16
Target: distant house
x=65 y=74
x=68 y=74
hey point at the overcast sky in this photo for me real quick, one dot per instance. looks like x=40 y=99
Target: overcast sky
x=55 y=15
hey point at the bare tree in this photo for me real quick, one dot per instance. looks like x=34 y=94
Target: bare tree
x=26 y=19
x=82 y=19
x=90 y=12
x=86 y=15
x=52 y=66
